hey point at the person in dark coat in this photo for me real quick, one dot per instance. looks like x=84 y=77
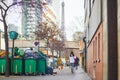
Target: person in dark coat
x=76 y=62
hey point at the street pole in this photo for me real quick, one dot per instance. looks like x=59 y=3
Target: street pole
x=85 y=52
x=53 y=56
x=47 y=52
x=13 y=36
x=47 y=47
x=12 y=60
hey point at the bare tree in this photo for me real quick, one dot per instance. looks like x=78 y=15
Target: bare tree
x=58 y=46
x=45 y=31
x=4 y=8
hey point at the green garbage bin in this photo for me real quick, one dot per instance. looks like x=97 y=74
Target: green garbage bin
x=17 y=66
x=30 y=66
x=2 y=65
x=41 y=66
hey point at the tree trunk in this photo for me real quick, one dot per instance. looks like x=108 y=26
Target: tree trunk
x=6 y=48
x=60 y=54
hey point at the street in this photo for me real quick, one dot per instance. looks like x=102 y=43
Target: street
x=64 y=74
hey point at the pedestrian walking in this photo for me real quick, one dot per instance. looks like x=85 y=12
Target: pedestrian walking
x=72 y=61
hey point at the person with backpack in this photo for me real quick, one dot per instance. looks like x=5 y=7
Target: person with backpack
x=76 y=62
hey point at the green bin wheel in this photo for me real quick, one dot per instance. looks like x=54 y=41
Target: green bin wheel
x=20 y=73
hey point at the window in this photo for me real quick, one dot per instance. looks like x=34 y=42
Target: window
x=93 y=51
x=99 y=46
x=96 y=48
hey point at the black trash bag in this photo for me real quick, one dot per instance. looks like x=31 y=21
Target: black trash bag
x=49 y=70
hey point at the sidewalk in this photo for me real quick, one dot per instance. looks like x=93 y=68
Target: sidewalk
x=64 y=74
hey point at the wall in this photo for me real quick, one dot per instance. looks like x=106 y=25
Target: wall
x=95 y=18
x=75 y=50
x=25 y=43
x=95 y=55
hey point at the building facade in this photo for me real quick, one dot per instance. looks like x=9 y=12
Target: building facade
x=93 y=24
x=35 y=14
x=56 y=4
x=32 y=15
x=102 y=33
x=49 y=15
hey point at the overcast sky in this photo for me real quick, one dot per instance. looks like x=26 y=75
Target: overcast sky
x=74 y=15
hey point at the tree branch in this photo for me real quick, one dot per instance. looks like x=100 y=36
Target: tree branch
x=1 y=20
x=4 y=4
x=14 y=4
x=2 y=8
x=10 y=6
x=1 y=11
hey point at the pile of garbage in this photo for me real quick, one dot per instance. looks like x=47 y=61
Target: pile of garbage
x=24 y=53
x=2 y=54
x=29 y=53
x=18 y=53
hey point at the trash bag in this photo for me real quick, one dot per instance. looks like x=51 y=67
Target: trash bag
x=49 y=70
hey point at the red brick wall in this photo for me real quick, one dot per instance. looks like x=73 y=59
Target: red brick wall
x=90 y=60
x=95 y=56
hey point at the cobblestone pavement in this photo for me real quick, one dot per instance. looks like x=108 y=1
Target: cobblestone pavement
x=64 y=74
